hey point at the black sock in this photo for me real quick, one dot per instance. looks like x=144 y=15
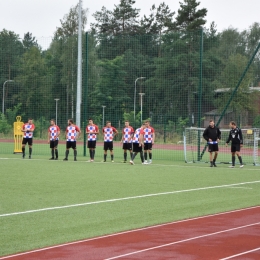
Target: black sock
x=105 y=157
x=142 y=156
x=67 y=154
x=133 y=156
x=90 y=153
x=240 y=159
x=93 y=154
x=30 y=151
x=233 y=160
x=56 y=153
x=112 y=157
x=23 y=150
x=52 y=153
x=75 y=153
x=150 y=156
x=145 y=156
x=125 y=156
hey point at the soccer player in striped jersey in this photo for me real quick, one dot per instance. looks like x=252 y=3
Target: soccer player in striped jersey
x=127 y=135
x=109 y=133
x=138 y=142
x=28 y=130
x=92 y=130
x=53 y=139
x=72 y=134
x=149 y=137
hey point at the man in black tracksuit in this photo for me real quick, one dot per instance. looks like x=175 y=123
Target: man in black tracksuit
x=236 y=138
x=212 y=135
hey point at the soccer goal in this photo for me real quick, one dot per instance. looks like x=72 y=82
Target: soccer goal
x=196 y=148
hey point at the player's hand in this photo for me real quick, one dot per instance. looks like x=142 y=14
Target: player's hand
x=48 y=141
x=226 y=144
x=241 y=145
x=210 y=140
x=218 y=140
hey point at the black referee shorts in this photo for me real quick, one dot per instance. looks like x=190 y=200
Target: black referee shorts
x=235 y=148
x=213 y=148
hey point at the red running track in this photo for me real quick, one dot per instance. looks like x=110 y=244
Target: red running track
x=229 y=235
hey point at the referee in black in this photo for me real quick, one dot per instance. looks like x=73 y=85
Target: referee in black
x=236 y=138
x=212 y=135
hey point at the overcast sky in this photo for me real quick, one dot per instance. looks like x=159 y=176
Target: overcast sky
x=41 y=17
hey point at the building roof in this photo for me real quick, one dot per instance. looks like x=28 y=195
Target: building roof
x=216 y=112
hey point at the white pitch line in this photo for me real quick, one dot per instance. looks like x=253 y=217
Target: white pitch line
x=126 y=232
x=243 y=253
x=247 y=188
x=181 y=241
x=126 y=198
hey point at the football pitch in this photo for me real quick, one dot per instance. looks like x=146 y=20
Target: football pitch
x=44 y=203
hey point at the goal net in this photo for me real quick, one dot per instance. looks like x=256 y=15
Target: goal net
x=196 y=148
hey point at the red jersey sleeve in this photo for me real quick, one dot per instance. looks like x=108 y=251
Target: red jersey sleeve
x=114 y=130
x=132 y=130
x=152 y=129
x=33 y=126
x=77 y=128
x=96 y=128
x=103 y=130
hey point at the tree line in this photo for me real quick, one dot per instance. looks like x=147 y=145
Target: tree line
x=163 y=47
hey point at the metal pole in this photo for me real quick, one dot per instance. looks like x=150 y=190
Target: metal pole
x=3 y=102
x=103 y=119
x=79 y=78
x=135 y=95
x=56 y=99
x=141 y=95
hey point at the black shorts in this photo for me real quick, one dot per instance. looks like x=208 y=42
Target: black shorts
x=137 y=148
x=148 y=146
x=92 y=144
x=235 y=148
x=71 y=145
x=127 y=146
x=27 y=140
x=54 y=143
x=213 y=148
x=108 y=146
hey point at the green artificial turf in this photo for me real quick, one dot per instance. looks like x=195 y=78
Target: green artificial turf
x=104 y=198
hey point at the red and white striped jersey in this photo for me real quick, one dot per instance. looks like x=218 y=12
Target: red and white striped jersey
x=28 y=128
x=92 y=129
x=71 y=132
x=148 y=135
x=53 y=130
x=108 y=133
x=127 y=134
x=137 y=134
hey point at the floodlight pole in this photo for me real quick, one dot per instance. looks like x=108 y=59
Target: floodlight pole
x=3 y=101
x=56 y=99
x=141 y=95
x=135 y=95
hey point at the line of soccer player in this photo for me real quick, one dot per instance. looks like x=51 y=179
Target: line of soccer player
x=133 y=141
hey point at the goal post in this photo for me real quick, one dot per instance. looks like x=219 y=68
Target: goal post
x=195 y=146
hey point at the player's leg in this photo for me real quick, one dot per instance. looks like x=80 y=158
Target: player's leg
x=239 y=156
x=23 y=146
x=150 y=152
x=74 y=147
x=125 y=152
x=111 y=151
x=135 y=152
x=68 y=145
x=233 y=153
x=30 y=143
x=93 y=150
x=105 y=151
x=145 y=153
x=56 y=149
x=215 y=158
x=210 y=154
x=52 y=150
x=130 y=148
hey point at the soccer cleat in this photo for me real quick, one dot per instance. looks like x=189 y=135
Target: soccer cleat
x=30 y=157
x=232 y=166
x=242 y=165
x=75 y=159
x=104 y=161
x=23 y=155
x=124 y=161
x=52 y=158
x=65 y=159
x=91 y=160
x=211 y=165
x=112 y=161
x=214 y=165
x=145 y=162
x=131 y=162
x=150 y=161
x=56 y=158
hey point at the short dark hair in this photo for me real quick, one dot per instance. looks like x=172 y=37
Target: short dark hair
x=211 y=120
x=29 y=118
x=127 y=121
x=90 y=119
x=233 y=123
x=108 y=122
x=71 y=121
x=53 y=120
